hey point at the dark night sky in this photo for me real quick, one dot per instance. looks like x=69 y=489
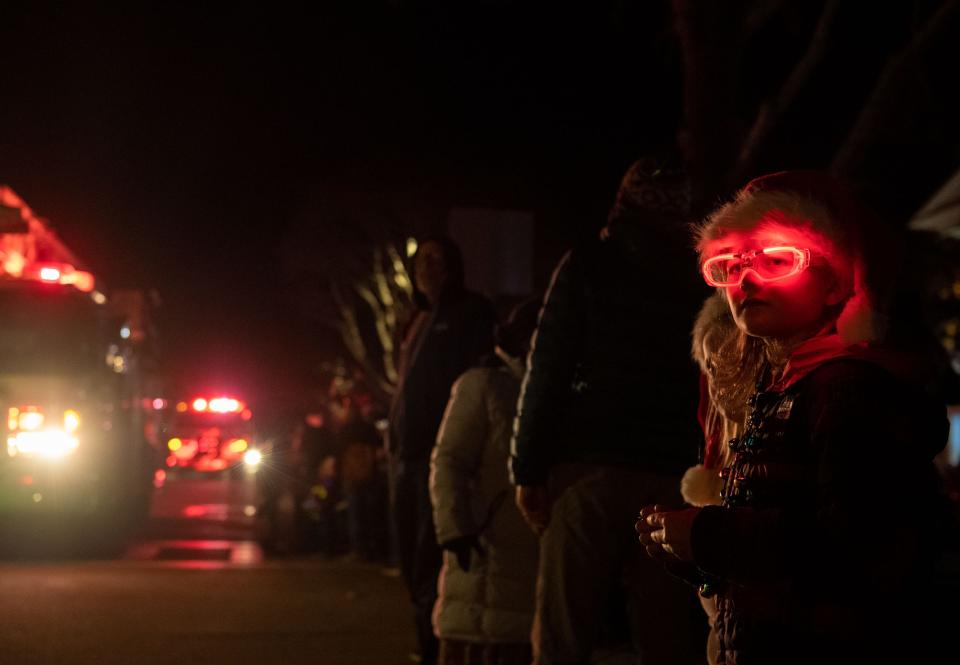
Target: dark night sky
x=170 y=146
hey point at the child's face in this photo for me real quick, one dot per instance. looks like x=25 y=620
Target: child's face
x=789 y=309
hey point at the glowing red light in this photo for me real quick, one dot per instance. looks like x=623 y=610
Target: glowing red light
x=224 y=405
x=247 y=414
x=768 y=264
x=210 y=464
x=196 y=511
x=49 y=274
x=218 y=404
x=159 y=478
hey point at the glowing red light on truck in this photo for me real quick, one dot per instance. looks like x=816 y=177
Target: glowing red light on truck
x=218 y=405
x=48 y=274
x=225 y=405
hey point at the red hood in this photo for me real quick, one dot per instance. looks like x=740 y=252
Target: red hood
x=809 y=355
x=812 y=353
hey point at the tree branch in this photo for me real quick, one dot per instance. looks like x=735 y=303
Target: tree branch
x=772 y=110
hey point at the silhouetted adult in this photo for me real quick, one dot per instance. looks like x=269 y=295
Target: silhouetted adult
x=607 y=416
x=451 y=331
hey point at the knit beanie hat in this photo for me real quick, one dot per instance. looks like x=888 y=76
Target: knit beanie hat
x=653 y=184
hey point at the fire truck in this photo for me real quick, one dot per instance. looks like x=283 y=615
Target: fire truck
x=75 y=457
x=210 y=478
x=211 y=434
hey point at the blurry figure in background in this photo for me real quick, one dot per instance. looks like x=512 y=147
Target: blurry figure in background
x=278 y=529
x=362 y=477
x=803 y=558
x=607 y=422
x=486 y=590
x=324 y=510
x=451 y=331
x=316 y=443
x=316 y=491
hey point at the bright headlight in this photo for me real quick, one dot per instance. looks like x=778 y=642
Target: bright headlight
x=51 y=444
x=30 y=421
x=71 y=421
x=252 y=457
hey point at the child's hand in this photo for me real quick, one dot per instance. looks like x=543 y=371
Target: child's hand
x=665 y=532
x=645 y=530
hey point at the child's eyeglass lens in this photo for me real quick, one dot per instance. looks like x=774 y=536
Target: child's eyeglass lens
x=769 y=264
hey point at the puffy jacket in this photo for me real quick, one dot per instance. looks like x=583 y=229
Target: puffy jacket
x=471 y=494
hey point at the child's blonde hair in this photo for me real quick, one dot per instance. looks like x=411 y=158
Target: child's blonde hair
x=732 y=368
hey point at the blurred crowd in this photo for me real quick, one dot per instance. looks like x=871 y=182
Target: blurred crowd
x=326 y=487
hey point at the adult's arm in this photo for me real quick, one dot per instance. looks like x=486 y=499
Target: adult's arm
x=551 y=365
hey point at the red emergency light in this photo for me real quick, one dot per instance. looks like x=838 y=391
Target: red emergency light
x=60 y=273
x=218 y=405
x=49 y=274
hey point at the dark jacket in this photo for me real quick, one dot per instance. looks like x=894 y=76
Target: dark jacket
x=609 y=379
x=440 y=345
x=821 y=549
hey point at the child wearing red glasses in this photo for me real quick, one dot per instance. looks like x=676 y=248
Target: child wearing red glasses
x=825 y=536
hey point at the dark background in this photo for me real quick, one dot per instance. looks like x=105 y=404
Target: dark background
x=170 y=146
x=180 y=149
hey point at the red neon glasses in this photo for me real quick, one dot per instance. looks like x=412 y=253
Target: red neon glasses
x=769 y=264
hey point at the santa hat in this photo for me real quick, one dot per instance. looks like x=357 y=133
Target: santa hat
x=822 y=207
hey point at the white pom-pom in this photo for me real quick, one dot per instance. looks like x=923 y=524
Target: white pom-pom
x=700 y=486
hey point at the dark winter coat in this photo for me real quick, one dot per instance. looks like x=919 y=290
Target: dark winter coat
x=610 y=380
x=820 y=550
x=440 y=345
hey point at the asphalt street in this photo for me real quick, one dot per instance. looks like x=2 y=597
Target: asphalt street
x=196 y=588
x=202 y=610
